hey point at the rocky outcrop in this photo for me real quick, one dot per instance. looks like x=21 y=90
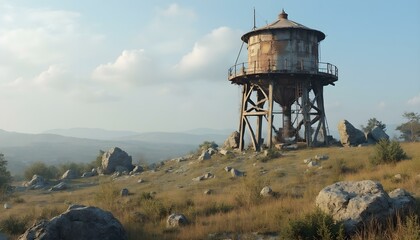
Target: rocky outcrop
x=116 y=159
x=232 y=141
x=349 y=135
x=356 y=203
x=37 y=182
x=69 y=174
x=176 y=220
x=78 y=222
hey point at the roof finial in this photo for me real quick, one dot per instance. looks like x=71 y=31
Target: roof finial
x=283 y=14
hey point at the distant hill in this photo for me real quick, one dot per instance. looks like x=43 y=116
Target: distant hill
x=91 y=133
x=21 y=149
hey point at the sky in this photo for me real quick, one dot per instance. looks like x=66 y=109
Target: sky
x=162 y=65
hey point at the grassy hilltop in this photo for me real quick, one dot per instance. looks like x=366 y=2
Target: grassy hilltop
x=234 y=207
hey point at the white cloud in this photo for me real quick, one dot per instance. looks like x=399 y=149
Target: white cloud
x=211 y=56
x=414 y=101
x=132 y=67
x=55 y=76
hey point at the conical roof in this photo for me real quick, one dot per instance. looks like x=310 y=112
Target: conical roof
x=282 y=23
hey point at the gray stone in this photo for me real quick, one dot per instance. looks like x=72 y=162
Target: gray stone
x=88 y=174
x=59 y=187
x=321 y=157
x=356 y=203
x=203 y=177
x=137 y=169
x=78 y=222
x=228 y=168
x=306 y=161
x=349 y=135
x=7 y=206
x=208 y=192
x=69 y=174
x=211 y=151
x=236 y=173
x=402 y=201
x=378 y=134
x=313 y=164
x=224 y=152
x=140 y=181
x=116 y=157
x=124 y=192
x=37 y=182
x=204 y=156
x=176 y=220
x=232 y=141
x=266 y=192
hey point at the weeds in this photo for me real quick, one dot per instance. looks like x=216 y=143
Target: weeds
x=316 y=225
x=14 y=225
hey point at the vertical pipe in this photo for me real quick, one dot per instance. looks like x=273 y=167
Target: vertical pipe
x=270 y=115
x=242 y=120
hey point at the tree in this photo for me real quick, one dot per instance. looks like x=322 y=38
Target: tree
x=372 y=123
x=410 y=131
x=5 y=177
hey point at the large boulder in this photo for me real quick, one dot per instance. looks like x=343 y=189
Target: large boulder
x=37 y=182
x=356 y=203
x=232 y=141
x=378 y=134
x=115 y=159
x=69 y=174
x=78 y=222
x=349 y=135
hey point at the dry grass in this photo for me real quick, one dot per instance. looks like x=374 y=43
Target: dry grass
x=235 y=205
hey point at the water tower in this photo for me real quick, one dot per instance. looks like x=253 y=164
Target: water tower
x=283 y=67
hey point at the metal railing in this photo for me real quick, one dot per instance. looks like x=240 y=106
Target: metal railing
x=270 y=66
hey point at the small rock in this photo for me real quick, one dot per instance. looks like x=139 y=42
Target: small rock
x=224 y=152
x=176 y=220
x=124 y=192
x=266 y=192
x=398 y=176
x=140 y=181
x=208 y=192
x=228 y=168
x=321 y=157
x=313 y=164
x=7 y=206
x=306 y=161
x=204 y=156
x=199 y=178
x=236 y=173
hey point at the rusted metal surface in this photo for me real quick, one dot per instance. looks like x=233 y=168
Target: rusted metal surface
x=283 y=67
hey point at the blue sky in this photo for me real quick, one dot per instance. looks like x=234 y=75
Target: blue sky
x=162 y=65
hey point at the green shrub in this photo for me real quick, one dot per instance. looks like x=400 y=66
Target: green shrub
x=14 y=225
x=388 y=152
x=317 y=225
x=40 y=168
